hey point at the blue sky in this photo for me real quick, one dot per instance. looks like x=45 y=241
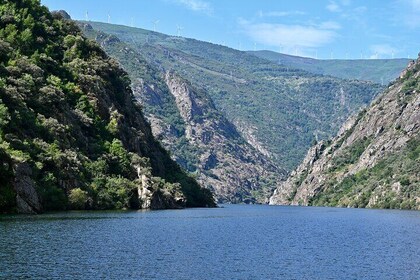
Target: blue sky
x=314 y=28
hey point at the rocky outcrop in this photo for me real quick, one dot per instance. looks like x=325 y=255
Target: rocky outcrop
x=155 y=196
x=227 y=164
x=61 y=13
x=200 y=138
x=276 y=109
x=145 y=191
x=372 y=162
x=27 y=199
x=71 y=131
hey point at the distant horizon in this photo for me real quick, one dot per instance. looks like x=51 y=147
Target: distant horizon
x=324 y=30
x=259 y=50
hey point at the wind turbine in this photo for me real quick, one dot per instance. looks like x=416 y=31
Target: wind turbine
x=179 y=29
x=255 y=46
x=87 y=16
x=132 y=22
x=109 y=18
x=155 y=23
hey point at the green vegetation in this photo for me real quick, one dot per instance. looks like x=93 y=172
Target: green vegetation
x=161 y=104
x=375 y=163
x=350 y=154
x=381 y=71
x=7 y=195
x=284 y=107
x=410 y=81
x=392 y=183
x=67 y=110
x=78 y=198
x=161 y=108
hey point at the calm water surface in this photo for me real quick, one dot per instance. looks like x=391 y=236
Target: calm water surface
x=233 y=242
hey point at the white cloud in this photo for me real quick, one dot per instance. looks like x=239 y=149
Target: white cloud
x=408 y=12
x=345 y=2
x=280 y=13
x=415 y=4
x=360 y=10
x=343 y=7
x=289 y=36
x=196 y=5
x=382 y=50
x=333 y=7
x=405 y=13
x=329 y=25
x=358 y=15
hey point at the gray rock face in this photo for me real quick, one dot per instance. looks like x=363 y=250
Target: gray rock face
x=62 y=14
x=384 y=129
x=145 y=192
x=155 y=198
x=27 y=199
x=228 y=164
x=165 y=200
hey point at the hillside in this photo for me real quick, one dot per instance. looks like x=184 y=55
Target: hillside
x=381 y=71
x=373 y=162
x=199 y=137
x=278 y=111
x=71 y=133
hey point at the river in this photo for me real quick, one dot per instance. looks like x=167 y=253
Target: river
x=230 y=242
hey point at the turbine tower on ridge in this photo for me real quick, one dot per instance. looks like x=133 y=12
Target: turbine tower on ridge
x=155 y=23
x=179 y=29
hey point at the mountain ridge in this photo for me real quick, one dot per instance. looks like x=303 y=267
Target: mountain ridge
x=278 y=111
x=372 y=162
x=199 y=137
x=243 y=85
x=381 y=71
x=71 y=134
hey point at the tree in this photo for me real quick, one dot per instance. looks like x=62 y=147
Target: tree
x=78 y=198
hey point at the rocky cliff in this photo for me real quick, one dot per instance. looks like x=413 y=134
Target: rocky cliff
x=279 y=110
x=374 y=161
x=235 y=170
x=186 y=121
x=72 y=135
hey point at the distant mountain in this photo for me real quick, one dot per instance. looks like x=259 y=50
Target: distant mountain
x=277 y=110
x=199 y=137
x=381 y=71
x=72 y=135
x=374 y=161
x=233 y=120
